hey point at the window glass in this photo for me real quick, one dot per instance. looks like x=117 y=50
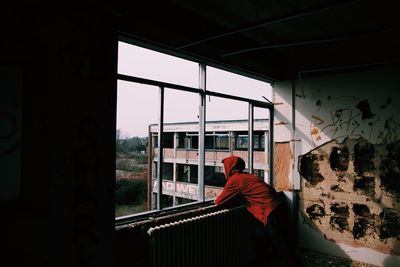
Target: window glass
x=145 y=63
x=187 y=173
x=168 y=140
x=259 y=173
x=132 y=146
x=234 y=84
x=192 y=141
x=138 y=109
x=222 y=141
x=168 y=171
x=209 y=141
x=242 y=138
x=261 y=149
x=214 y=176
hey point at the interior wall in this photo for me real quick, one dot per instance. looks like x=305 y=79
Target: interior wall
x=347 y=155
x=65 y=60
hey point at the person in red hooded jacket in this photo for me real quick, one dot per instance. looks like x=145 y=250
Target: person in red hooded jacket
x=265 y=204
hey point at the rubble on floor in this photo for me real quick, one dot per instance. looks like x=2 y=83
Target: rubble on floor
x=317 y=259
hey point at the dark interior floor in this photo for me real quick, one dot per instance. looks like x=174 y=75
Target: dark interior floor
x=317 y=259
x=311 y=258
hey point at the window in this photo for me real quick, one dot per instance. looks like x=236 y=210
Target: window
x=168 y=171
x=168 y=140
x=187 y=173
x=221 y=141
x=259 y=173
x=214 y=176
x=241 y=141
x=188 y=140
x=217 y=141
x=139 y=116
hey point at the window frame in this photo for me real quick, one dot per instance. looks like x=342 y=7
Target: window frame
x=203 y=93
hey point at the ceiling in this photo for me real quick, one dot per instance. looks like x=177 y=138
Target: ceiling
x=271 y=39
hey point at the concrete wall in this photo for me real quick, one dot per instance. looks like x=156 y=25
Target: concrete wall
x=344 y=131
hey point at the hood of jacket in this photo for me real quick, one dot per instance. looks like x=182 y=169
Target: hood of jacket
x=232 y=165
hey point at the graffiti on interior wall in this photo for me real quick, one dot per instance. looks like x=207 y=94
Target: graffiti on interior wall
x=352 y=117
x=351 y=193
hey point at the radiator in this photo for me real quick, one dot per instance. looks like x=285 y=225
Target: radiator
x=221 y=238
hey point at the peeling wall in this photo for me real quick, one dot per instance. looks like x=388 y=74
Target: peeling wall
x=345 y=197
x=344 y=131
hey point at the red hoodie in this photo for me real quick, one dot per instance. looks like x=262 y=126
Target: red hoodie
x=261 y=198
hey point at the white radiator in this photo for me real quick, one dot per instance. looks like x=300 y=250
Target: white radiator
x=221 y=238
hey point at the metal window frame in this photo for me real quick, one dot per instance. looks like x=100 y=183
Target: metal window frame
x=203 y=93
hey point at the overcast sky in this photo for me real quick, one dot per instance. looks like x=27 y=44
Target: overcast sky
x=138 y=105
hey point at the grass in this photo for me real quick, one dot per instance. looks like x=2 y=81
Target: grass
x=131 y=194
x=134 y=164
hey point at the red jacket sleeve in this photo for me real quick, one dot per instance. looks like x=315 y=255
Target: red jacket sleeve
x=230 y=190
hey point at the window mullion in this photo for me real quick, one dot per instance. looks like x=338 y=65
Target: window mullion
x=202 y=119
x=250 y=139
x=271 y=147
x=160 y=149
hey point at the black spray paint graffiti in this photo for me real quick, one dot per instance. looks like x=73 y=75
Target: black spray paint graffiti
x=345 y=122
x=390 y=132
x=365 y=109
x=340 y=119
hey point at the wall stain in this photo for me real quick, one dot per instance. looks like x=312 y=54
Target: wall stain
x=339 y=158
x=364 y=185
x=390 y=170
x=309 y=169
x=365 y=109
x=339 y=220
x=364 y=221
x=390 y=226
x=336 y=188
x=364 y=154
x=389 y=134
x=359 y=197
x=315 y=211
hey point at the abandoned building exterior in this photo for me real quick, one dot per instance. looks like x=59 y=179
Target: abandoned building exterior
x=180 y=157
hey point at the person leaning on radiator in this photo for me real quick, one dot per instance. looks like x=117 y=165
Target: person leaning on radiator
x=264 y=203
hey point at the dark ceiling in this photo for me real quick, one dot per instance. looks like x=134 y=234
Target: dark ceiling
x=274 y=39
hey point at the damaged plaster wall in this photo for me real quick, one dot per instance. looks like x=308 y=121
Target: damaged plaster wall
x=349 y=193
x=347 y=157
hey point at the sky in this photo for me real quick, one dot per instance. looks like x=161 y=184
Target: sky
x=138 y=104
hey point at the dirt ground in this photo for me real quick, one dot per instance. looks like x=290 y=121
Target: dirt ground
x=317 y=259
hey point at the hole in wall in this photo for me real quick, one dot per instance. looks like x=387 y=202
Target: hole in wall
x=309 y=169
x=364 y=185
x=315 y=211
x=364 y=154
x=390 y=169
x=339 y=220
x=363 y=221
x=339 y=158
x=336 y=188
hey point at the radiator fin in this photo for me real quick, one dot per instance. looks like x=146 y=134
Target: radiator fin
x=216 y=239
